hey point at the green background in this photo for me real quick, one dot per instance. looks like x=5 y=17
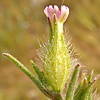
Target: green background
x=23 y=23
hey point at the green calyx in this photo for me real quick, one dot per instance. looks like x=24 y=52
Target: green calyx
x=56 y=64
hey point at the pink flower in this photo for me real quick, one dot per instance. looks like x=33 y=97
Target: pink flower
x=61 y=16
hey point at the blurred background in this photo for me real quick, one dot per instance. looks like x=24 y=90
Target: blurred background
x=22 y=23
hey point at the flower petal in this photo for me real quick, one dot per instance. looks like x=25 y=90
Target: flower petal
x=46 y=11
x=51 y=12
x=56 y=11
x=64 y=13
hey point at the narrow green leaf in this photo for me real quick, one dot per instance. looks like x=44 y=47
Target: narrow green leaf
x=89 y=78
x=80 y=85
x=86 y=92
x=79 y=93
x=40 y=74
x=72 y=84
x=29 y=74
x=90 y=93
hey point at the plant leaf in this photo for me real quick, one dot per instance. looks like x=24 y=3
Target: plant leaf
x=72 y=84
x=40 y=74
x=29 y=74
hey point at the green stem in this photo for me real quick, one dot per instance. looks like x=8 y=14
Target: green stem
x=57 y=96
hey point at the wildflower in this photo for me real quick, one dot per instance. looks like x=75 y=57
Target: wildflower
x=56 y=64
x=61 y=16
x=57 y=59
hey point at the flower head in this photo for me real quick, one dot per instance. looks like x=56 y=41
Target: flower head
x=56 y=61
x=61 y=15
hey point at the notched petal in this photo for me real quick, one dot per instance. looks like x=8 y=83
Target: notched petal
x=46 y=11
x=64 y=13
x=54 y=11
